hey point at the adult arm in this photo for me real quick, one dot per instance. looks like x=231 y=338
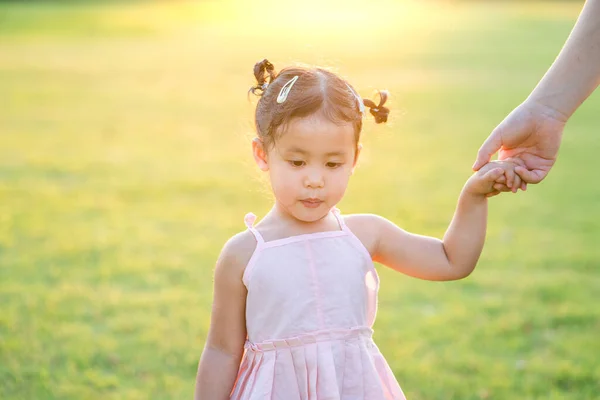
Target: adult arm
x=532 y=132
x=575 y=73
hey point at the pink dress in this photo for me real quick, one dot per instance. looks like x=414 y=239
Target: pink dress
x=311 y=303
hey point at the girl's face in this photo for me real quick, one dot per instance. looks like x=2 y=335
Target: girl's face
x=309 y=166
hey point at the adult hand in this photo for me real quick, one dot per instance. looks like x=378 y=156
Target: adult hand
x=530 y=135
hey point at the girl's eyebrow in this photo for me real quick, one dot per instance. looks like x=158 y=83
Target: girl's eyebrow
x=296 y=150
x=301 y=151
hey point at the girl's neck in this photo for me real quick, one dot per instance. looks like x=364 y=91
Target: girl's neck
x=280 y=224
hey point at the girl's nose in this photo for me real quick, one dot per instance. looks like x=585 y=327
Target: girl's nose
x=314 y=179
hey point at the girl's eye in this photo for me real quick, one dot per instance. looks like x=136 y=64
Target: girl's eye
x=333 y=164
x=296 y=163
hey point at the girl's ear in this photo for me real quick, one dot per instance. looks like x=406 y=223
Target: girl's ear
x=260 y=154
x=358 y=149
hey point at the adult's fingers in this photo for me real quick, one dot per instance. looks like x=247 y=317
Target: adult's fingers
x=492 y=194
x=491 y=145
x=533 y=176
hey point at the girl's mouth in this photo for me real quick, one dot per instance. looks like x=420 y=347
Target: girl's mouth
x=311 y=203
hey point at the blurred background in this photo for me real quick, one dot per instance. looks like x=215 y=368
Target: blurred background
x=125 y=165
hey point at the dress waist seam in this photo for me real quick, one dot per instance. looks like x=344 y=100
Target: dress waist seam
x=311 y=337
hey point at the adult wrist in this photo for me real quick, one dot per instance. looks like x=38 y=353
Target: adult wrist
x=550 y=106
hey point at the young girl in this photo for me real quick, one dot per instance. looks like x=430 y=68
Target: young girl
x=295 y=295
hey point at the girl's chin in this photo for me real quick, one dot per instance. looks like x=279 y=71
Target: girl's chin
x=311 y=214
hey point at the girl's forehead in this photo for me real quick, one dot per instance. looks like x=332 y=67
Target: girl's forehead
x=316 y=135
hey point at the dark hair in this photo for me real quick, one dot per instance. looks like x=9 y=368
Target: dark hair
x=315 y=90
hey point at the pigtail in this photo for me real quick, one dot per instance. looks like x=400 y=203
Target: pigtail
x=261 y=69
x=378 y=111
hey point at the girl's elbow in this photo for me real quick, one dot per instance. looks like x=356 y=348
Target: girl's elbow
x=461 y=272
x=466 y=273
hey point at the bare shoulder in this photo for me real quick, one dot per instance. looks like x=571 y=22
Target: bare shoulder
x=364 y=223
x=236 y=254
x=366 y=227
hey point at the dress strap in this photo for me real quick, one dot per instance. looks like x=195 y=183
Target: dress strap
x=249 y=221
x=338 y=216
x=359 y=245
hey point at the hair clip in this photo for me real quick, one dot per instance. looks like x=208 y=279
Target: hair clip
x=285 y=90
x=361 y=105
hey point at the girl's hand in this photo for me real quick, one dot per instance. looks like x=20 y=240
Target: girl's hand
x=486 y=180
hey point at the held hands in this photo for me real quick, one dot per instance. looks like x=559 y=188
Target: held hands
x=529 y=136
x=489 y=180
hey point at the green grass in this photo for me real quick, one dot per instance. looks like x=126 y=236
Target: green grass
x=125 y=165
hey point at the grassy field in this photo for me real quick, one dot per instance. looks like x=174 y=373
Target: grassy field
x=125 y=165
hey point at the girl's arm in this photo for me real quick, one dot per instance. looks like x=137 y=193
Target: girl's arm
x=224 y=347
x=430 y=258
